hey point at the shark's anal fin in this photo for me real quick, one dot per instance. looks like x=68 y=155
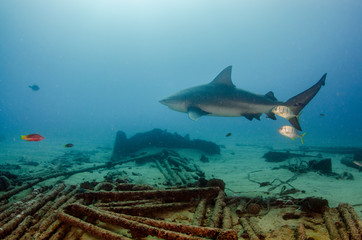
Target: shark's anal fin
x=195 y=113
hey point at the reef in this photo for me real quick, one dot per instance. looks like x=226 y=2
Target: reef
x=124 y=146
x=123 y=211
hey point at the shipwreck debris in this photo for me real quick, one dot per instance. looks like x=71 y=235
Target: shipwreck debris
x=63 y=212
x=158 y=138
x=278 y=156
x=353 y=162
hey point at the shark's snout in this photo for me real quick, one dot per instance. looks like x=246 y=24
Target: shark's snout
x=174 y=103
x=163 y=101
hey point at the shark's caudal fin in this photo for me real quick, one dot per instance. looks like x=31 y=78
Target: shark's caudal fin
x=297 y=103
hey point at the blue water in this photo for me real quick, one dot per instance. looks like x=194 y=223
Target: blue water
x=102 y=66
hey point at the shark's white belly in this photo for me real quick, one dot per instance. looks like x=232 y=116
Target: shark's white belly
x=235 y=110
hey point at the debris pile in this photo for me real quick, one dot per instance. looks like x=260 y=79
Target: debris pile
x=119 y=210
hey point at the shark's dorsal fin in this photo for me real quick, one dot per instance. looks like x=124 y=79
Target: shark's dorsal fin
x=271 y=96
x=224 y=77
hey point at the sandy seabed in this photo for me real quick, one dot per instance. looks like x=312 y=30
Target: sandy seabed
x=233 y=165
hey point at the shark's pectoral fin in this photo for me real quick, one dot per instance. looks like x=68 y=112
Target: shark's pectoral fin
x=195 y=113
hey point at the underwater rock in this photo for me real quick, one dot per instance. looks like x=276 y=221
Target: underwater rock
x=311 y=204
x=253 y=208
x=158 y=138
x=4 y=183
x=214 y=182
x=324 y=165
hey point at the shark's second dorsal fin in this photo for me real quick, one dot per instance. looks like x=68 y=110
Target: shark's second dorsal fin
x=224 y=77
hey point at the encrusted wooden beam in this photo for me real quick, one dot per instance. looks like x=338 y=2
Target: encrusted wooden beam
x=214 y=220
x=179 y=194
x=146 y=226
x=330 y=223
x=90 y=228
x=11 y=225
x=199 y=213
x=350 y=223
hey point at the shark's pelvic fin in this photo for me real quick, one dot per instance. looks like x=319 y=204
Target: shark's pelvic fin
x=224 y=77
x=297 y=103
x=195 y=113
x=251 y=116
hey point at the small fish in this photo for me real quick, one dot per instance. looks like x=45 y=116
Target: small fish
x=35 y=87
x=32 y=137
x=357 y=163
x=284 y=112
x=290 y=132
x=69 y=145
x=321 y=115
x=228 y=135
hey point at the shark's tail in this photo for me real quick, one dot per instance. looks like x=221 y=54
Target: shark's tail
x=297 y=103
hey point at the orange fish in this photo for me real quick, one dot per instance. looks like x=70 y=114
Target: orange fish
x=32 y=137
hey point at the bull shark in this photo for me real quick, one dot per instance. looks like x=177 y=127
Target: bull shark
x=220 y=97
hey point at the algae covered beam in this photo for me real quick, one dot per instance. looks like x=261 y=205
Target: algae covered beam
x=142 y=226
x=180 y=195
x=12 y=224
x=90 y=228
